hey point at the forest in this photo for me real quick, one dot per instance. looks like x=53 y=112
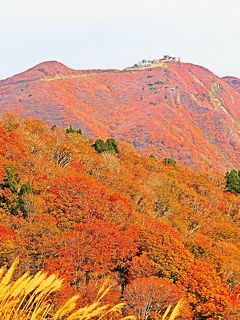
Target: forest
x=90 y=210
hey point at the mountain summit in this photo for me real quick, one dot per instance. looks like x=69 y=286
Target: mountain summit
x=40 y=71
x=173 y=109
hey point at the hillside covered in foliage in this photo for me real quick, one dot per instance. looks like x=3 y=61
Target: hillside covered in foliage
x=177 y=110
x=90 y=210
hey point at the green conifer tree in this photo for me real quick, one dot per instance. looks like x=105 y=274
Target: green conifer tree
x=233 y=181
x=110 y=145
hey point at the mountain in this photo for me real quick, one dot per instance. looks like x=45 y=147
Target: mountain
x=177 y=110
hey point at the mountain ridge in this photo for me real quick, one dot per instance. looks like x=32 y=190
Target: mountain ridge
x=42 y=70
x=178 y=110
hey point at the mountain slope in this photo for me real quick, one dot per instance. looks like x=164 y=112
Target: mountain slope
x=234 y=82
x=160 y=232
x=178 y=110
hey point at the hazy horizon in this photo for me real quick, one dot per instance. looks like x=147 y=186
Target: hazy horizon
x=89 y=34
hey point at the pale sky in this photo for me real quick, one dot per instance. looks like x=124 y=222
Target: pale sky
x=87 y=34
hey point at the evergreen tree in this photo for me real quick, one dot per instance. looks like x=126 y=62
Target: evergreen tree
x=72 y=130
x=110 y=145
x=25 y=188
x=11 y=181
x=233 y=181
x=169 y=161
x=99 y=145
x=15 y=204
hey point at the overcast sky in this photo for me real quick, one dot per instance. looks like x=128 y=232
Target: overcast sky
x=117 y=33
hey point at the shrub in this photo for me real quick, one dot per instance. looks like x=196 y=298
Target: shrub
x=72 y=130
x=99 y=145
x=169 y=161
x=110 y=145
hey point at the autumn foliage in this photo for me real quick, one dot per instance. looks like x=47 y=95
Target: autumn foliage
x=175 y=111
x=160 y=233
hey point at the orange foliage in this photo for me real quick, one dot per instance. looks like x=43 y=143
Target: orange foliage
x=81 y=198
x=162 y=244
x=148 y=298
x=208 y=295
x=133 y=104
x=128 y=217
x=93 y=249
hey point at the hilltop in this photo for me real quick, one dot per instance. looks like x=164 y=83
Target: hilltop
x=177 y=110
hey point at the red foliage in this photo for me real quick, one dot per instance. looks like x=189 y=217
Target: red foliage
x=10 y=148
x=6 y=233
x=141 y=266
x=94 y=249
x=81 y=198
x=177 y=98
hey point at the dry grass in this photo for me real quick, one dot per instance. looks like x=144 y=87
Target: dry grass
x=28 y=298
x=111 y=162
x=175 y=312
